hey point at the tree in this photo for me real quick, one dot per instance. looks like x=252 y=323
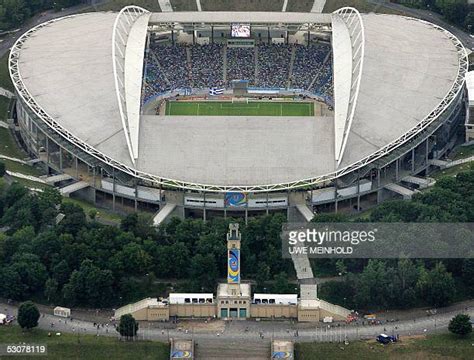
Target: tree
x=89 y=286
x=2 y=169
x=128 y=326
x=92 y=214
x=51 y=289
x=281 y=285
x=11 y=286
x=204 y=271
x=436 y=286
x=460 y=325
x=28 y=315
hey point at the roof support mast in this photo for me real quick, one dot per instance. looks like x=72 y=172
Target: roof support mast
x=128 y=45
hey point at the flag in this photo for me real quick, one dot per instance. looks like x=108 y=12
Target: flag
x=216 y=91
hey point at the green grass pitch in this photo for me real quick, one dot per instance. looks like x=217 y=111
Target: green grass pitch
x=227 y=108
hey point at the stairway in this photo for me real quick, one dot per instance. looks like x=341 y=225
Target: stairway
x=190 y=65
x=292 y=62
x=256 y=63
x=219 y=349
x=224 y=64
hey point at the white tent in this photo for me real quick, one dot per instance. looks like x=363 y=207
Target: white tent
x=62 y=311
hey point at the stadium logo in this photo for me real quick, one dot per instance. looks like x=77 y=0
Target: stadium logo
x=235 y=199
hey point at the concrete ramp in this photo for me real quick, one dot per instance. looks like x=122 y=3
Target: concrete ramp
x=421 y=182
x=305 y=211
x=69 y=189
x=302 y=266
x=336 y=311
x=318 y=6
x=165 y=5
x=396 y=188
x=163 y=213
x=440 y=163
x=57 y=178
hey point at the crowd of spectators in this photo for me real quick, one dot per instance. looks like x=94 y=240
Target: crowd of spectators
x=172 y=59
x=322 y=85
x=241 y=64
x=207 y=69
x=154 y=79
x=273 y=65
x=308 y=62
x=170 y=67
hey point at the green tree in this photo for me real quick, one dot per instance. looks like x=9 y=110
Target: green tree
x=128 y=326
x=460 y=325
x=204 y=271
x=281 y=284
x=51 y=289
x=89 y=286
x=92 y=214
x=436 y=286
x=11 y=286
x=28 y=315
x=2 y=169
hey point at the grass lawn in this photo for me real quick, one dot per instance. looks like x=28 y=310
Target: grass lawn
x=8 y=145
x=463 y=152
x=226 y=108
x=4 y=105
x=31 y=184
x=432 y=347
x=21 y=168
x=5 y=81
x=452 y=171
x=70 y=346
x=101 y=213
x=300 y=5
x=184 y=5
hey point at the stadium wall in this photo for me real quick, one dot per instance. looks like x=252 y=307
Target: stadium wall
x=354 y=191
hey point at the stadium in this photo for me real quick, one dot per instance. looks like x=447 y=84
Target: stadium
x=238 y=113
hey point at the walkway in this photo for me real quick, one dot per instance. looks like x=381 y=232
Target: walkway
x=69 y=189
x=443 y=164
x=318 y=6
x=198 y=4
x=246 y=333
x=26 y=177
x=165 y=5
x=14 y=159
x=6 y=93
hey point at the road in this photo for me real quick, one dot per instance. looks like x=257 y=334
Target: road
x=251 y=331
x=430 y=16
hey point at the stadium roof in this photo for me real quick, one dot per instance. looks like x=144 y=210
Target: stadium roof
x=248 y=17
x=65 y=67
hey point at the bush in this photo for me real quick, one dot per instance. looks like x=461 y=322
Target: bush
x=460 y=325
x=28 y=315
x=128 y=326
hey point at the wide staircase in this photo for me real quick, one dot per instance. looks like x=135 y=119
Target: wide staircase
x=219 y=349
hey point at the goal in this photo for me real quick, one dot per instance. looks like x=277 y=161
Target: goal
x=240 y=100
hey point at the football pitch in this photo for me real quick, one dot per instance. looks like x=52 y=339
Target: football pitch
x=228 y=108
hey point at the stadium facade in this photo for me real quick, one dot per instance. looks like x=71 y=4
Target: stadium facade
x=397 y=104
